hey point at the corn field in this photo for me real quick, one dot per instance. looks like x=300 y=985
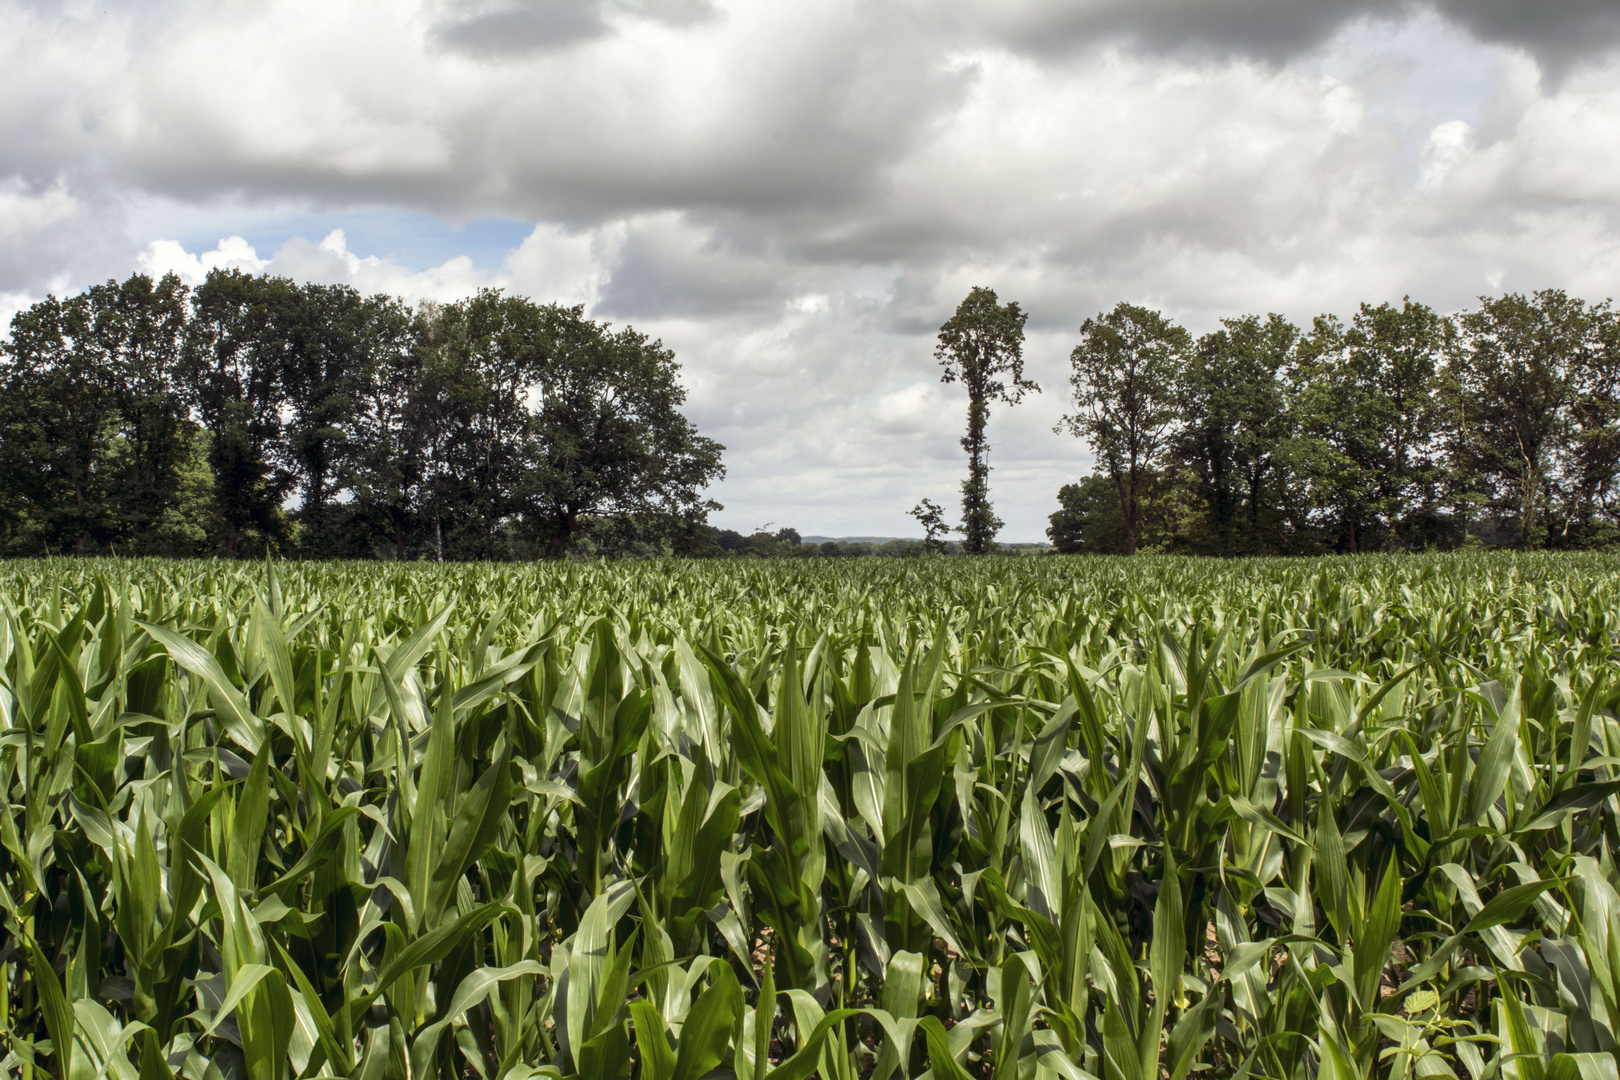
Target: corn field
x=1000 y=819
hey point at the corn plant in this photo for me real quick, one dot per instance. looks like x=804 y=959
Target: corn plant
x=1004 y=819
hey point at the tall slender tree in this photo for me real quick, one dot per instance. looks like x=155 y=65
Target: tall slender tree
x=137 y=329
x=489 y=352
x=982 y=346
x=1592 y=480
x=1124 y=374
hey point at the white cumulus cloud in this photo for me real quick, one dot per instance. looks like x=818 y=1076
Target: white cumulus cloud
x=793 y=196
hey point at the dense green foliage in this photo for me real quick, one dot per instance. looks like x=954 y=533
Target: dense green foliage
x=982 y=346
x=1402 y=428
x=988 y=818
x=144 y=417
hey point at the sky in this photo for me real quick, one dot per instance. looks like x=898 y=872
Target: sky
x=794 y=195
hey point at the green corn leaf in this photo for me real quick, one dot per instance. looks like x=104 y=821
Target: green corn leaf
x=1120 y=1049
x=248 y=977
x=59 y=1019
x=153 y=1064
x=1522 y=1044
x=803 y=1062
x=278 y=658
x=245 y=727
x=326 y=1035
x=1329 y=866
x=1014 y=1008
x=1491 y=773
x=321 y=848
x=764 y=1020
x=707 y=1030
x=1264 y=819
x=248 y=824
x=652 y=1041
x=940 y=1058
x=425 y=846
x=1571 y=800
x=425 y=951
x=1373 y=938
x=476 y=827
x=469 y=992
x=1509 y=905
x=1167 y=955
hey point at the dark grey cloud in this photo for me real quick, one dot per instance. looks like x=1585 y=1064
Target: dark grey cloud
x=513 y=28
x=1269 y=29
x=1558 y=33
x=666 y=268
x=509 y=29
x=794 y=195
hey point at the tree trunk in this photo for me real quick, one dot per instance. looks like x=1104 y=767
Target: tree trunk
x=975 y=493
x=399 y=541
x=558 y=545
x=1130 y=515
x=1527 y=509
x=1254 y=515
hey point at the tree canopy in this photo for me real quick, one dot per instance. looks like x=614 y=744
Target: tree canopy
x=1400 y=428
x=1123 y=376
x=252 y=412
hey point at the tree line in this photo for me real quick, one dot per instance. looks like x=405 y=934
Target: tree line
x=1399 y=428
x=252 y=413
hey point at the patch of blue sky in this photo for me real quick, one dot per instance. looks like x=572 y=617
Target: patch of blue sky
x=413 y=239
x=1414 y=73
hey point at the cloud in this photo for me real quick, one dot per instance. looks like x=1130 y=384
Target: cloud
x=549 y=264
x=1448 y=144
x=508 y=28
x=1270 y=29
x=40 y=225
x=168 y=257
x=794 y=196
x=556 y=264
x=1557 y=33
x=918 y=409
x=670 y=264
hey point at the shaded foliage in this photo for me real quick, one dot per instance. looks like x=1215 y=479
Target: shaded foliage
x=337 y=425
x=1401 y=429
